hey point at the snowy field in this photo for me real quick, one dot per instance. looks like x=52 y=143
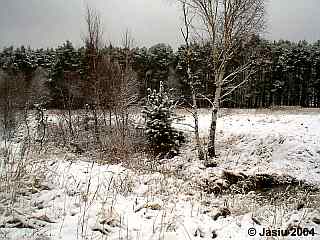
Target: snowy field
x=84 y=200
x=256 y=141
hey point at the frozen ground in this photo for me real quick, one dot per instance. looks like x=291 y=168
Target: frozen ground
x=84 y=200
x=259 y=141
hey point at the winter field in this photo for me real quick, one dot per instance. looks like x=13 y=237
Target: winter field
x=266 y=177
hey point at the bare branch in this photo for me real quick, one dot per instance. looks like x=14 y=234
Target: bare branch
x=238 y=85
x=206 y=98
x=237 y=71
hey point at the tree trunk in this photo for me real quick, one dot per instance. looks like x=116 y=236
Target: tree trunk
x=213 y=126
x=214 y=116
x=196 y=125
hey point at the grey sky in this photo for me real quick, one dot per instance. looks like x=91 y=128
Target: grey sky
x=48 y=23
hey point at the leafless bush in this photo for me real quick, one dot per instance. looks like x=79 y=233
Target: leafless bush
x=110 y=89
x=11 y=101
x=18 y=170
x=117 y=141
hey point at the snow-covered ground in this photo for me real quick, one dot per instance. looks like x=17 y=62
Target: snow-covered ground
x=85 y=200
x=268 y=141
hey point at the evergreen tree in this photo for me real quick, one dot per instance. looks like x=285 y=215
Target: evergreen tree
x=162 y=137
x=197 y=59
x=160 y=58
x=64 y=73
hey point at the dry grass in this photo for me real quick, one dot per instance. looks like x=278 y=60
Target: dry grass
x=26 y=176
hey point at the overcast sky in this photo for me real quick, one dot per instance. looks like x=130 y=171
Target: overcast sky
x=48 y=23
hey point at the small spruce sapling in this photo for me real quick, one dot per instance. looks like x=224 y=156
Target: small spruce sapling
x=158 y=112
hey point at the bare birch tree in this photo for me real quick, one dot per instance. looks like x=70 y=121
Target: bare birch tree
x=227 y=24
x=93 y=42
x=187 y=19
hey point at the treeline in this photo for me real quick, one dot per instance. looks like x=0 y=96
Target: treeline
x=281 y=73
x=289 y=76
